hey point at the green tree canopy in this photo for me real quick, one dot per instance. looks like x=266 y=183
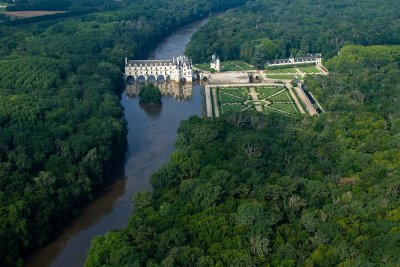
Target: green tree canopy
x=149 y=93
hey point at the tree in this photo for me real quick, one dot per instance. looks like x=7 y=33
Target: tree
x=150 y=93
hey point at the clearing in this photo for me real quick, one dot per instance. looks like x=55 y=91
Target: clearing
x=30 y=14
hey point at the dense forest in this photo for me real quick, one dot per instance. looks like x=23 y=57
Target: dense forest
x=269 y=29
x=261 y=190
x=62 y=131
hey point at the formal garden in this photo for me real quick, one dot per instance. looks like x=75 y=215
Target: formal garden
x=260 y=98
x=310 y=70
x=236 y=65
x=290 y=72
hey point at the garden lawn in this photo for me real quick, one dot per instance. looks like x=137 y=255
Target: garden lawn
x=224 y=98
x=282 y=97
x=267 y=91
x=236 y=65
x=239 y=92
x=310 y=70
x=285 y=107
x=205 y=67
x=280 y=71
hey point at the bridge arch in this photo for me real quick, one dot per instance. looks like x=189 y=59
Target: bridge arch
x=151 y=79
x=160 y=78
x=141 y=79
x=130 y=80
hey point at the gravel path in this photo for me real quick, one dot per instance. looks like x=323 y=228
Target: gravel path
x=208 y=101
x=215 y=100
x=310 y=108
x=296 y=100
x=254 y=96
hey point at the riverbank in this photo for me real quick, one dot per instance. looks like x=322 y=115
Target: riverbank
x=61 y=116
x=150 y=137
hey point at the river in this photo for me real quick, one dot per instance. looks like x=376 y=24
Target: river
x=151 y=136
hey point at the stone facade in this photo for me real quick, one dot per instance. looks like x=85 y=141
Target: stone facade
x=215 y=63
x=178 y=69
x=311 y=58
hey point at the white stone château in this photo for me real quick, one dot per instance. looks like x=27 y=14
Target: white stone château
x=178 y=69
x=215 y=63
x=310 y=58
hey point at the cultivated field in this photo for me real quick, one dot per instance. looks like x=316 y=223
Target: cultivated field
x=30 y=14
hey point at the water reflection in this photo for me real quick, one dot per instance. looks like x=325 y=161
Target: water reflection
x=153 y=111
x=178 y=91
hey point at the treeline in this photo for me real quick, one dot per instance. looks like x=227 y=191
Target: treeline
x=62 y=131
x=261 y=190
x=269 y=29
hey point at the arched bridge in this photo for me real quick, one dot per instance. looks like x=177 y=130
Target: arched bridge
x=178 y=69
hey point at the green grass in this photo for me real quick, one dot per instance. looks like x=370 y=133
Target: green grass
x=240 y=92
x=243 y=65
x=229 y=108
x=294 y=65
x=279 y=71
x=228 y=99
x=285 y=107
x=236 y=65
x=229 y=103
x=282 y=76
x=205 y=67
x=309 y=70
x=282 y=97
x=267 y=91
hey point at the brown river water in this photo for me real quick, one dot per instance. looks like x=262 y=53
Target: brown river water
x=151 y=136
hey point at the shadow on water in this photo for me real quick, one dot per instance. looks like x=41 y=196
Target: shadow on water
x=152 y=110
x=151 y=136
